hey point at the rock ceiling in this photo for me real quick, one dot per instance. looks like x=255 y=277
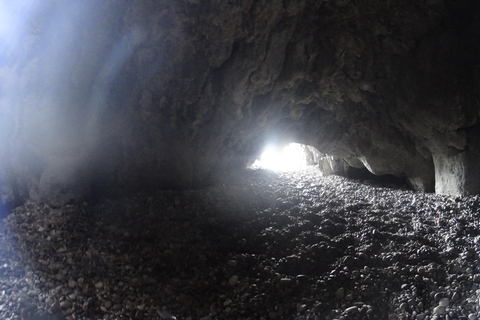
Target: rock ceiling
x=122 y=95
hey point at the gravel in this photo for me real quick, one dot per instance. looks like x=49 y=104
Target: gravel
x=261 y=245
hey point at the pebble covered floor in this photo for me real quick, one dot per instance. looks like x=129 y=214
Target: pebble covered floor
x=262 y=245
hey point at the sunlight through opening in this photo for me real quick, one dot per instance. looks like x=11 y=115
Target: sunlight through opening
x=289 y=158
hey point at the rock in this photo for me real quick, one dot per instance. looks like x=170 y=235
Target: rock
x=328 y=84
x=340 y=293
x=351 y=310
x=301 y=308
x=443 y=302
x=170 y=290
x=233 y=280
x=395 y=244
x=56 y=307
x=72 y=283
x=476 y=278
x=66 y=304
x=285 y=281
x=439 y=310
x=33 y=293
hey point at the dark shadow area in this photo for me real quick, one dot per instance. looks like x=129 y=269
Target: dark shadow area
x=387 y=180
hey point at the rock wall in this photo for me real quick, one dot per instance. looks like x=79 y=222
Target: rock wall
x=114 y=96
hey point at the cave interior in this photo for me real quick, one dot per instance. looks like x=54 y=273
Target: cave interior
x=102 y=102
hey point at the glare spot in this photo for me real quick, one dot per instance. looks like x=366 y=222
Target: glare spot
x=289 y=158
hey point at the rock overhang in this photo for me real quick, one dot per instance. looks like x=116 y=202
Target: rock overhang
x=124 y=95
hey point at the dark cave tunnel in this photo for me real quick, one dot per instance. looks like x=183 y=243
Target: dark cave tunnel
x=129 y=134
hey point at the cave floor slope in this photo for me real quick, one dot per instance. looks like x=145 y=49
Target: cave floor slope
x=262 y=245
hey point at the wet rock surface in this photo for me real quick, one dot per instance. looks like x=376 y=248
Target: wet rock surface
x=261 y=246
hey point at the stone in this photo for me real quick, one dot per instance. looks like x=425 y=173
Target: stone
x=337 y=85
x=351 y=310
x=233 y=280
x=439 y=310
x=72 y=283
x=66 y=304
x=443 y=302
x=340 y=293
x=476 y=278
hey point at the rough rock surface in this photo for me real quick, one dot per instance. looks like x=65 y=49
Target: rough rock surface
x=263 y=246
x=139 y=94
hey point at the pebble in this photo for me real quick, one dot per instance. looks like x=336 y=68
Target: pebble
x=56 y=307
x=233 y=280
x=302 y=308
x=170 y=290
x=72 y=283
x=476 y=278
x=66 y=304
x=355 y=274
x=302 y=278
x=33 y=293
x=439 y=310
x=340 y=293
x=455 y=296
x=455 y=269
x=132 y=292
x=351 y=310
x=443 y=302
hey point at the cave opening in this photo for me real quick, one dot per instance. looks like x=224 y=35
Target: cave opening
x=290 y=157
x=294 y=157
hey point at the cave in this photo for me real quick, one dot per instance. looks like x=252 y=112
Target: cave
x=130 y=134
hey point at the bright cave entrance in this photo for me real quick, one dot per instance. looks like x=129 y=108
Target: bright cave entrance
x=290 y=157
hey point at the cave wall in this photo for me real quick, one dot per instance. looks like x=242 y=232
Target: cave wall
x=114 y=96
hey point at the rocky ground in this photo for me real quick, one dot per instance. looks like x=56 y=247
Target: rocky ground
x=261 y=246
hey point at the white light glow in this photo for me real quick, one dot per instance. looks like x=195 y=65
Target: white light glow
x=291 y=157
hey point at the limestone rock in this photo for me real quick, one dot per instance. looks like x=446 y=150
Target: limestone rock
x=172 y=94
